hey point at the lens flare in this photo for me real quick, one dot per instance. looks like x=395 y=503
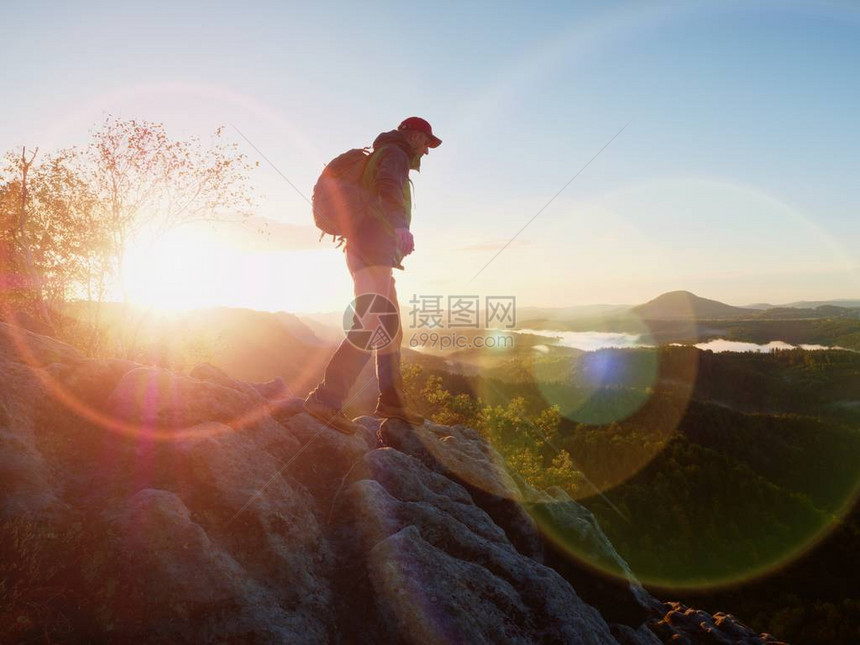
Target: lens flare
x=156 y=402
x=603 y=386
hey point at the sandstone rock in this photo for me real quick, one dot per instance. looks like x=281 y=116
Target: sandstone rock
x=275 y=392
x=21 y=346
x=155 y=398
x=164 y=580
x=576 y=544
x=158 y=507
x=626 y=635
x=24 y=479
x=682 y=624
x=441 y=571
x=457 y=451
x=90 y=382
x=460 y=454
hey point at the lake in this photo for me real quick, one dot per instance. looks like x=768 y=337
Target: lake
x=590 y=341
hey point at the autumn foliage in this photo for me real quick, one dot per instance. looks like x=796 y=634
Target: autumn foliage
x=68 y=217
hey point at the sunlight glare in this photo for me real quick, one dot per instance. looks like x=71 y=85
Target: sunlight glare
x=191 y=268
x=170 y=273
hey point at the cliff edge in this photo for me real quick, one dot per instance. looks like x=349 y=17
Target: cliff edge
x=143 y=505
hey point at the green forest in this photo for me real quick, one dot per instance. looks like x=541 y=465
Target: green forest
x=727 y=481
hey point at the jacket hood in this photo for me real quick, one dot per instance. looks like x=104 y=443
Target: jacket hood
x=395 y=137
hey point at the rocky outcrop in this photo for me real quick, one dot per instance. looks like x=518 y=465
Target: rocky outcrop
x=142 y=505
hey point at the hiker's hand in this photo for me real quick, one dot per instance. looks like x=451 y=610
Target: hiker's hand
x=405 y=241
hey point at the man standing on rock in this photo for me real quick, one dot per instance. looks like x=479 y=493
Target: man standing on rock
x=381 y=242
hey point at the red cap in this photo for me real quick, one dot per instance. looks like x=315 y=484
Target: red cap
x=420 y=125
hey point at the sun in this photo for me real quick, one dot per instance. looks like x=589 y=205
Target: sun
x=170 y=273
x=198 y=267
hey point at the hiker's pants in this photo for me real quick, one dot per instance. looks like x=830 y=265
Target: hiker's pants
x=348 y=361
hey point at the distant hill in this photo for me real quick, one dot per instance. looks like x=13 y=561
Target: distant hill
x=806 y=304
x=328 y=324
x=255 y=346
x=821 y=312
x=814 y=304
x=683 y=305
x=252 y=345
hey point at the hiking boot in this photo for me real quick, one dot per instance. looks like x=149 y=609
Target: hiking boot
x=329 y=416
x=399 y=412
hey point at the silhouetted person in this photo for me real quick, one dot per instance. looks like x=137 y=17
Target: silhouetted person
x=382 y=241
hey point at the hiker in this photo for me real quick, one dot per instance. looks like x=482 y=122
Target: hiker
x=378 y=246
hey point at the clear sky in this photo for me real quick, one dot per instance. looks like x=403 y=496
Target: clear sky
x=735 y=178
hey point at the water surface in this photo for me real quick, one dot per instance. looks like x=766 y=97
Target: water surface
x=590 y=341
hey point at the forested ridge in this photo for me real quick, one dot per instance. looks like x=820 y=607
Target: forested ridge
x=732 y=485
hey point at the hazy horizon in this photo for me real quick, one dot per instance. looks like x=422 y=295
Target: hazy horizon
x=403 y=298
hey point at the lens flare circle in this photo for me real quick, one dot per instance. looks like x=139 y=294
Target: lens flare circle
x=602 y=386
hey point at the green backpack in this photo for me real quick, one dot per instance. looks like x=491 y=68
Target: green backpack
x=340 y=201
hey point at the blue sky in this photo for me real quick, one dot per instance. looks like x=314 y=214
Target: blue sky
x=735 y=177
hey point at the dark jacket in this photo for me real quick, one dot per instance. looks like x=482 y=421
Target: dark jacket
x=386 y=176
